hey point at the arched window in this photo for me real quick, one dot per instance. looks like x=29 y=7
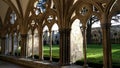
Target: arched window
x=55 y=42
x=40 y=6
x=46 y=42
x=9 y=44
x=13 y=17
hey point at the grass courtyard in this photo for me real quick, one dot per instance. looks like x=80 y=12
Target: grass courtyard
x=94 y=53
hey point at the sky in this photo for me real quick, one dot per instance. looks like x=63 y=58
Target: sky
x=96 y=24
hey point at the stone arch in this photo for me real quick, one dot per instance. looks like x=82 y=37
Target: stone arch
x=89 y=6
x=45 y=39
x=13 y=7
x=46 y=28
x=32 y=40
x=7 y=17
x=29 y=9
x=55 y=37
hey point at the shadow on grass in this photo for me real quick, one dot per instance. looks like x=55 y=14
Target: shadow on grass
x=53 y=59
x=116 y=59
x=95 y=56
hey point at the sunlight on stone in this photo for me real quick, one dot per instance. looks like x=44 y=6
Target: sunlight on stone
x=36 y=42
x=29 y=43
x=10 y=44
x=15 y=42
x=76 y=42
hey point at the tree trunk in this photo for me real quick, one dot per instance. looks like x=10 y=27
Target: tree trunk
x=89 y=27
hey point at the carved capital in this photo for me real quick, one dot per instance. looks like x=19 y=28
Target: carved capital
x=65 y=30
x=23 y=35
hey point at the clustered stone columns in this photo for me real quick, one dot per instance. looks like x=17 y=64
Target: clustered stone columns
x=40 y=45
x=106 y=46
x=65 y=46
x=3 y=45
x=107 y=60
x=23 y=44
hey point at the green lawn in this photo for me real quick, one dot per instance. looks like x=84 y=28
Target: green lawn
x=94 y=53
x=55 y=51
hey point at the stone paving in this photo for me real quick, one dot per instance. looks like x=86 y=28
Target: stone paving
x=4 y=64
x=72 y=66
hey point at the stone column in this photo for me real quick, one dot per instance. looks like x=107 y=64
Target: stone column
x=40 y=45
x=23 y=44
x=33 y=44
x=3 y=45
x=84 y=45
x=51 y=46
x=65 y=46
x=17 y=36
x=12 y=52
x=107 y=54
x=8 y=44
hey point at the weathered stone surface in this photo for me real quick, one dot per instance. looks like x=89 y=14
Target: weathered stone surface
x=76 y=42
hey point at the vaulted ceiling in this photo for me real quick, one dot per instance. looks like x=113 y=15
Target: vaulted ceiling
x=3 y=10
x=21 y=6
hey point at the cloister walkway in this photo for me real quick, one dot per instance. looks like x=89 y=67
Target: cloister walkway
x=9 y=62
x=4 y=64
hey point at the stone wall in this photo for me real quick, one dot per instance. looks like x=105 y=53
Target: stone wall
x=29 y=63
x=76 y=43
x=115 y=34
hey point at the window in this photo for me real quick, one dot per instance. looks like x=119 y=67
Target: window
x=12 y=17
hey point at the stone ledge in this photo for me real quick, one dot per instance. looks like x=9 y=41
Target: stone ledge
x=30 y=63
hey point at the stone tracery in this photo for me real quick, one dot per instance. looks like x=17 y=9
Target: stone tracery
x=62 y=12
